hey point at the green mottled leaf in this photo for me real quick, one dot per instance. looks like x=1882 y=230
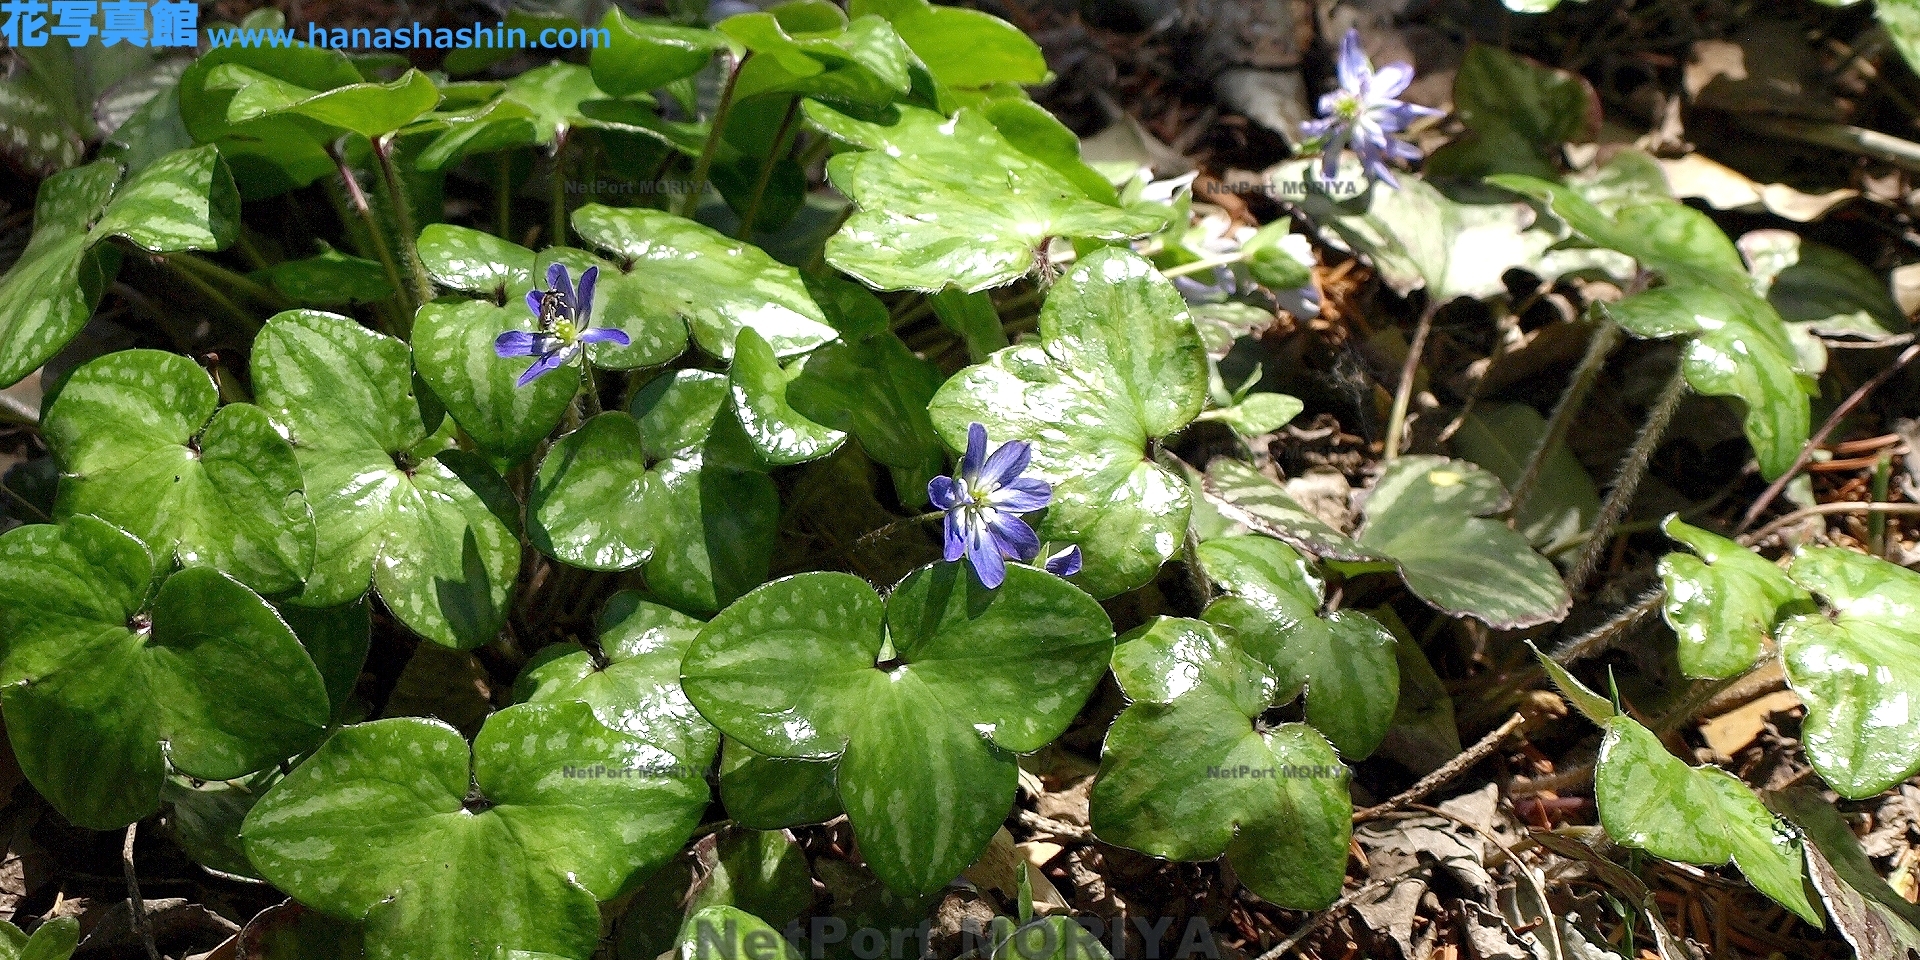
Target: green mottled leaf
x=329 y=278
x=271 y=154
x=337 y=639
x=368 y=109
x=55 y=939
x=877 y=390
x=1857 y=668
x=453 y=354
x=377 y=825
x=779 y=433
x=859 y=63
x=677 y=411
x=183 y=201
x=1723 y=603
x=1665 y=235
x=646 y=55
x=140 y=445
x=1119 y=363
x=1880 y=923
x=206 y=817
x=432 y=543
x=1591 y=705
x=1518 y=114
x=590 y=505
x=716 y=530
x=1186 y=773
x=952 y=203
x=97 y=670
x=1739 y=348
x=1429 y=514
x=719 y=285
x=771 y=793
x=962 y=48
x=1343 y=662
x=1651 y=800
x=634 y=684
x=794 y=670
x=1257 y=414
x=1247 y=496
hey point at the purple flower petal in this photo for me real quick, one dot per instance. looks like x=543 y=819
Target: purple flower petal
x=985 y=556
x=944 y=494
x=1353 y=62
x=542 y=367
x=583 y=304
x=1317 y=128
x=1330 y=157
x=1021 y=495
x=1012 y=536
x=956 y=539
x=1389 y=80
x=559 y=282
x=976 y=451
x=516 y=343
x=1066 y=563
x=534 y=298
x=1008 y=461
x=604 y=335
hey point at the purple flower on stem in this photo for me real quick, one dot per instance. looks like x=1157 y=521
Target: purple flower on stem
x=1066 y=563
x=563 y=311
x=1364 y=115
x=983 y=506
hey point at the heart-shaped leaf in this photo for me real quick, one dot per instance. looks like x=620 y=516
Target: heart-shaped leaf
x=719 y=285
x=183 y=201
x=1723 y=603
x=1344 y=662
x=1187 y=774
x=952 y=203
x=590 y=505
x=1430 y=515
x=645 y=55
x=1518 y=115
x=329 y=278
x=380 y=823
x=1120 y=363
x=1651 y=800
x=1857 y=669
x=55 y=939
x=97 y=669
x=453 y=353
x=271 y=154
x=723 y=932
x=780 y=434
x=876 y=389
x=795 y=669
x=633 y=682
x=427 y=533
x=1739 y=348
x=471 y=261
x=141 y=446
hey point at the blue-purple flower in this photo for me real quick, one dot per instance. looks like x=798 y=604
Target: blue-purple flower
x=983 y=506
x=1363 y=114
x=563 y=311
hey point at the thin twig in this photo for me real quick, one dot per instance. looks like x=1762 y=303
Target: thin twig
x=136 y=905
x=1403 y=391
x=1819 y=439
x=1823 y=509
x=1451 y=769
x=1327 y=916
x=14 y=495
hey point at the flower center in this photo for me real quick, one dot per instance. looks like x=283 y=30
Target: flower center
x=1347 y=106
x=565 y=330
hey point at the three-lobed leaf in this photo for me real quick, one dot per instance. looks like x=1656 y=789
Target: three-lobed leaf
x=1722 y=601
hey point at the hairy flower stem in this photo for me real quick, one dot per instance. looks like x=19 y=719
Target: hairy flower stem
x=1403 y=392
x=557 y=192
x=422 y=285
x=1605 y=338
x=267 y=296
x=246 y=322
x=718 y=126
x=875 y=536
x=766 y=170
x=1627 y=480
x=1601 y=638
x=375 y=235
x=589 y=387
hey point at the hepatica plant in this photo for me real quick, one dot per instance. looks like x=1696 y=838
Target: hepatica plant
x=815 y=487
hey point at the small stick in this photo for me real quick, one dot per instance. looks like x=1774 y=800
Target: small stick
x=135 y=904
x=1452 y=768
x=1403 y=392
x=1052 y=827
x=1327 y=916
x=1826 y=430
x=1822 y=509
